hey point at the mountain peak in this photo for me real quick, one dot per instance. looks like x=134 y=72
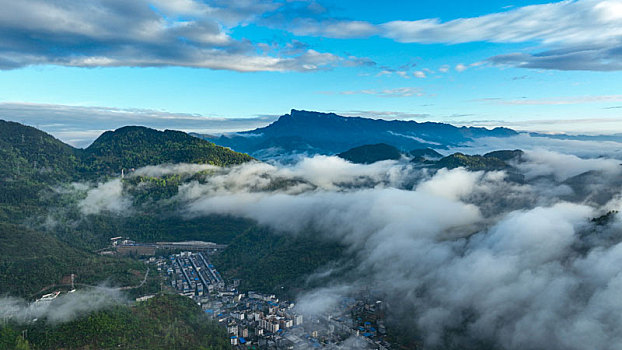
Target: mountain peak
x=302 y=115
x=328 y=133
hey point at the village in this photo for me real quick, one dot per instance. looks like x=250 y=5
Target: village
x=261 y=321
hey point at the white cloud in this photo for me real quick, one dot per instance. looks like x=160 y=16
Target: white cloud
x=187 y=33
x=396 y=92
x=567 y=22
x=563 y=166
x=590 y=148
x=460 y=67
x=69 y=124
x=575 y=35
x=106 y=197
x=564 y=100
x=511 y=276
x=510 y=263
x=64 y=308
x=444 y=69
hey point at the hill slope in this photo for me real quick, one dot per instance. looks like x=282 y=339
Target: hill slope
x=137 y=146
x=33 y=164
x=368 y=154
x=163 y=322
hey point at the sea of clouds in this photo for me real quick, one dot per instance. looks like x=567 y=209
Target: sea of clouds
x=516 y=263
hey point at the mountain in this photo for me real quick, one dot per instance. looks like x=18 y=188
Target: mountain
x=137 y=146
x=29 y=153
x=34 y=164
x=471 y=162
x=329 y=133
x=424 y=154
x=506 y=155
x=368 y=154
x=497 y=160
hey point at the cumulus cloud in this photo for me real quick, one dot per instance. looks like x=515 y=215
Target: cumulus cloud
x=64 y=308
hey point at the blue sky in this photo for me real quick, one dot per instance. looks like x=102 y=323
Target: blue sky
x=530 y=65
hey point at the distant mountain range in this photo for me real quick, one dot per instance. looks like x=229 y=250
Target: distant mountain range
x=328 y=133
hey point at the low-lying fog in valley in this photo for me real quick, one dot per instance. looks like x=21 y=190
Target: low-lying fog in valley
x=516 y=262
x=510 y=258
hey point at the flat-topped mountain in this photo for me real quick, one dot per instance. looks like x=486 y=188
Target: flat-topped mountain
x=329 y=133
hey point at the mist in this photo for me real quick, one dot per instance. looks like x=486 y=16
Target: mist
x=64 y=308
x=471 y=256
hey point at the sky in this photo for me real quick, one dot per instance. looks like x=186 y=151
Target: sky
x=78 y=68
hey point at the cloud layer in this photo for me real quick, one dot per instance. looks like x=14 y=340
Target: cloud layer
x=573 y=35
x=80 y=125
x=474 y=257
x=143 y=33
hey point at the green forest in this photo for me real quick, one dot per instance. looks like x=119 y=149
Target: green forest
x=162 y=322
x=44 y=238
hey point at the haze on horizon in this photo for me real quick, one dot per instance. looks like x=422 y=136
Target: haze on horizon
x=76 y=69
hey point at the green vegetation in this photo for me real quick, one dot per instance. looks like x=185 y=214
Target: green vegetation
x=162 y=322
x=136 y=146
x=44 y=238
x=368 y=154
x=475 y=162
x=143 y=226
x=425 y=153
x=33 y=164
x=605 y=219
x=272 y=263
x=30 y=155
x=31 y=261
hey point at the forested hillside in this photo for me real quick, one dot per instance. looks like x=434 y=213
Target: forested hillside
x=136 y=146
x=163 y=322
x=38 y=246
